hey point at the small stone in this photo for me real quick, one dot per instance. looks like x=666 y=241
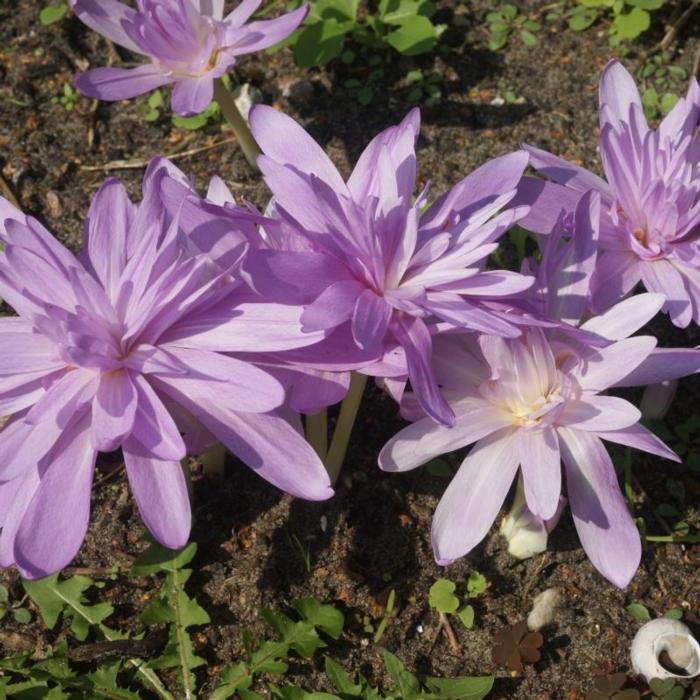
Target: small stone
x=245 y=96
x=53 y=202
x=544 y=607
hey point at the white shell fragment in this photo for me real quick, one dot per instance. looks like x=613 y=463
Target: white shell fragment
x=544 y=606
x=665 y=648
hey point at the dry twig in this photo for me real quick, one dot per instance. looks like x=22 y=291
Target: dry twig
x=137 y=164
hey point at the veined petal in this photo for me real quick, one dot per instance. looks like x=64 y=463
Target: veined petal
x=192 y=95
x=154 y=427
x=227 y=380
x=594 y=413
x=471 y=502
x=425 y=439
x=626 y=317
x=662 y=277
x=285 y=141
x=333 y=306
x=603 y=522
x=565 y=173
x=370 y=319
x=112 y=84
x=56 y=519
x=640 y=438
x=238 y=16
x=607 y=366
x=616 y=273
x=113 y=410
x=618 y=90
x=107 y=227
x=540 y=462
x=663 y=364
x=160 y=491
x=262 y=34
x=244 y=327
x=266 y=442
x=109 y=18
x=414 y=336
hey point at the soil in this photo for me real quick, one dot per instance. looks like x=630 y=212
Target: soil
x=374 y=536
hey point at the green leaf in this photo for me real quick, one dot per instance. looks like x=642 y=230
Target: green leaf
x=158 y=558
x=406 y=683
x=638 y=611
x=340 y=679
x=442 y=596
x=674 y=614
x=320 y=42
x=646 y=4
x=476 y=584
x=325 y=617
x=365 y=95
x=54 y=597
x=22 y=616
x=398 y=11
x=415 y=35
x=414 y=76
x=528 y=38
x=632 y=24
x=498 y=41
x=463 y=688
x=52 y=14
x=597 y=3
x=466 y=615
x=341 y=11
x=509 y=11
x=300 y=636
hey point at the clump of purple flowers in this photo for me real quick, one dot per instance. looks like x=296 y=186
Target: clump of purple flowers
x=190 y=321
x=122 y=349
x=189 y=43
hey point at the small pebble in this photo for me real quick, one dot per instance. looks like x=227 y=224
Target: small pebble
x=544 y=606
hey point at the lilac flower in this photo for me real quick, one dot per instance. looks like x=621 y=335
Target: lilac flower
x=189 y=43
x=534 y=401
x=531 y=404
x=368 y=263
x=650 y=220
x=123 y=350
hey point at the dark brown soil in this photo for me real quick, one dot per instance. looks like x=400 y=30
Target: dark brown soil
x=374 y=536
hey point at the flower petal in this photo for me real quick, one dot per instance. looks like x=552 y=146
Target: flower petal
x=540 y=462
x=603 y=522
x=192 y=95
x=285 y=141
x=112 y=84
x=113 y=410
x=607 y=366
x=160 y=491
x=55 y=522
x=471 y=502
x=109 y=18
x=425 y=439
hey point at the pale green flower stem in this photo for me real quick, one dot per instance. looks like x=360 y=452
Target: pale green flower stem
x=213 y=462
x=343 y=428
x=240 y=127
x=317 y=432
